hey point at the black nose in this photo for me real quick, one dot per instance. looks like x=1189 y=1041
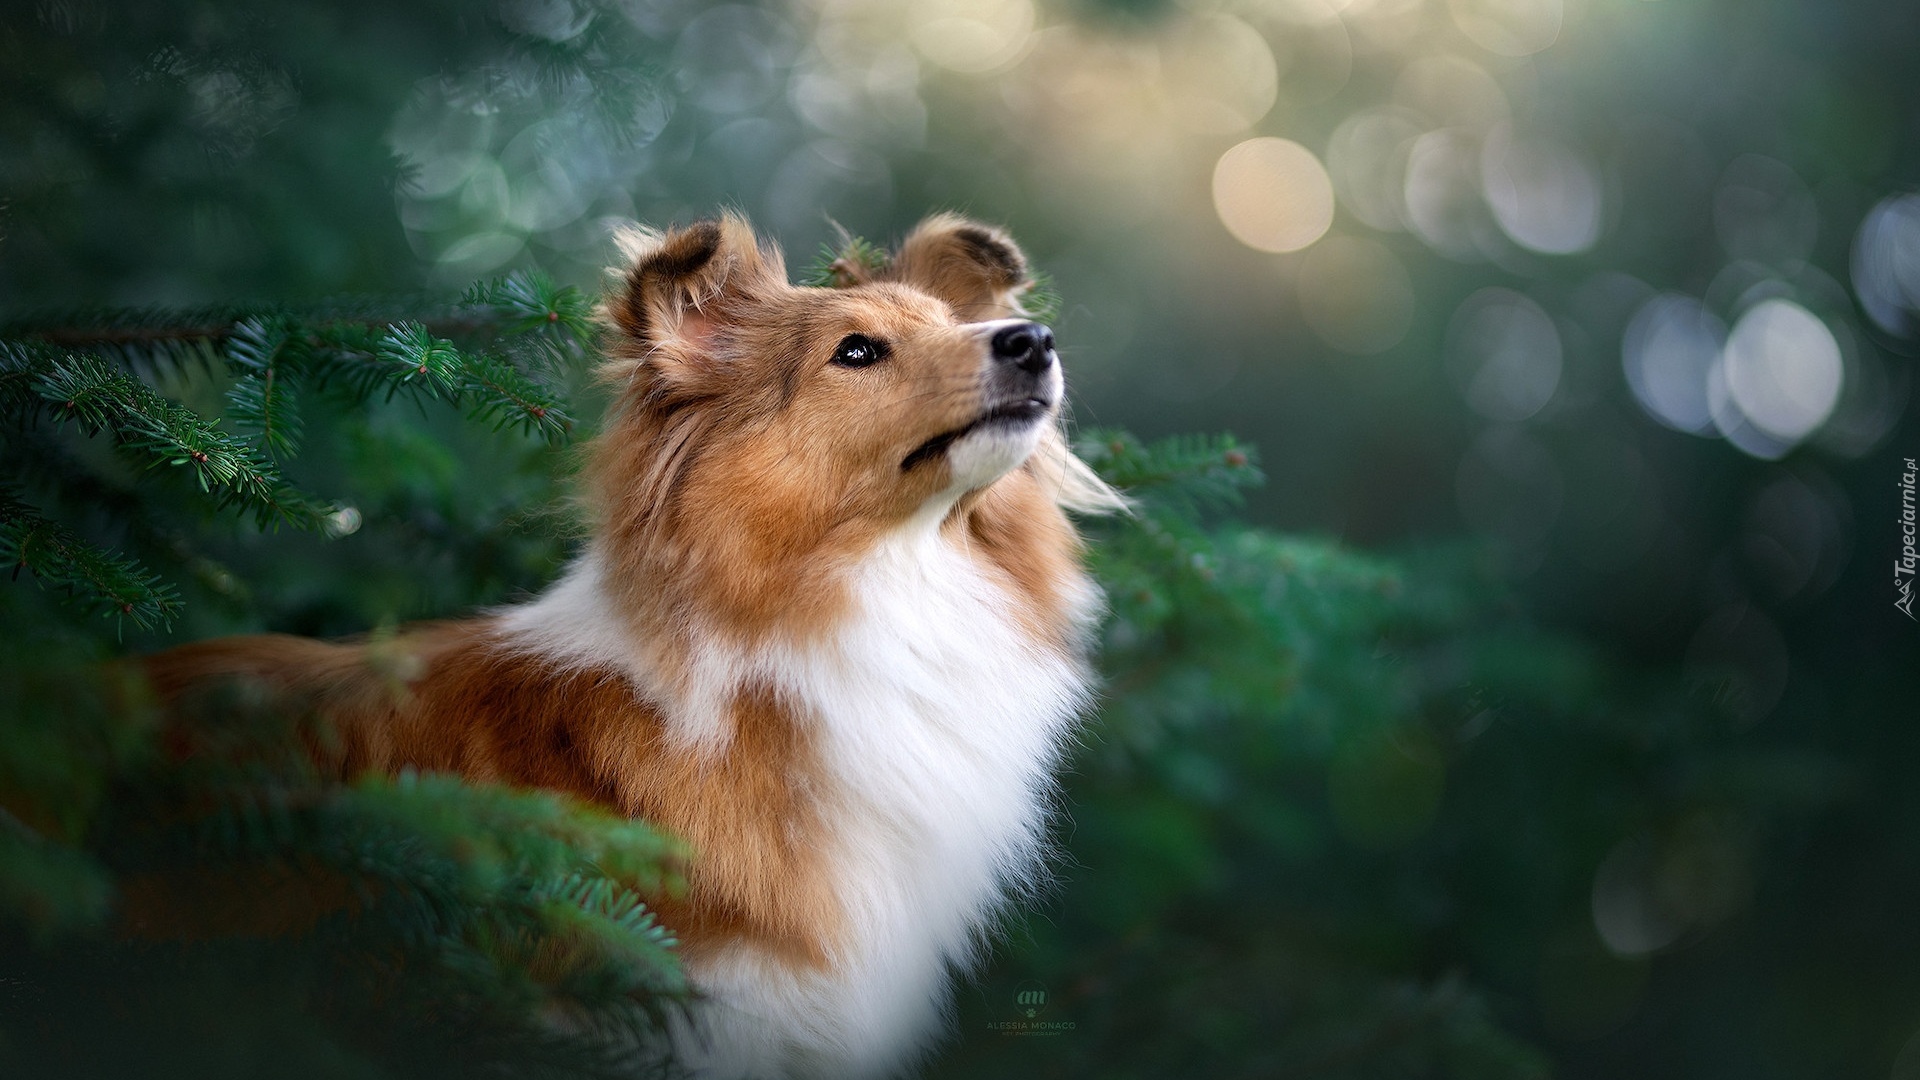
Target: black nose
x=1027 y=346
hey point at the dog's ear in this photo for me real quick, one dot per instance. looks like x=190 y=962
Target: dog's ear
x=680 y=292
x=975 y=268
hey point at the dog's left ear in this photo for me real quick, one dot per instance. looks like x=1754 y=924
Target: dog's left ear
x=975 y=268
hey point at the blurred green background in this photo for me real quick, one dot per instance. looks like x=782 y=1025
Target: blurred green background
x=1612 y=303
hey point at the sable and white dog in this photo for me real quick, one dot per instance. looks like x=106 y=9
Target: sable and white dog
x=829 y=630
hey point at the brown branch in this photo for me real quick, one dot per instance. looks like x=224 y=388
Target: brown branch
x=85 y=337
x=82 y=337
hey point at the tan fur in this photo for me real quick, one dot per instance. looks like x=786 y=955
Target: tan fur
x=738 y=475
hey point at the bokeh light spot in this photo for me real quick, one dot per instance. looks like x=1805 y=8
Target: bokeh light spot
x=1509 y=27
x=1629 y=911
x=343 y=522
x=553 y=20
x=1732 y=425
x=1273 y=195
x=1367 y=159
x=1311 y=45
x=1504 y=353
x=1444 y=207
x=1668 y=350
x=1783 y=369
x=1543 y=195
x=476 y=254
x=1872 y=399
x=1451 y=92
x=1906 y=1064
x=843 y=181
x=1220 y=74
x=1886 y=264
x=733 y=58
x=546 y=192
x=1652 y=891
x=972 y=36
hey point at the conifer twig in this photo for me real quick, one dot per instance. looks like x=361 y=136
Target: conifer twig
x=80 y=388
x=110 y=584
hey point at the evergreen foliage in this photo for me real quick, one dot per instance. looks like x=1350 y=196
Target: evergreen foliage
x=517 y=333
x=97 y=580
x=837 y=267
x=409 y=926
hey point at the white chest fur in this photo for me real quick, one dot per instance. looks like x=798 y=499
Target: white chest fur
x=939 y=720
x=940 y=723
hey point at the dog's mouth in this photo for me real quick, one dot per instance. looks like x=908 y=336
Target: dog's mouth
x=1018 y=413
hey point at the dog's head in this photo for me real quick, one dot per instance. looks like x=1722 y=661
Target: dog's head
x=904 y=392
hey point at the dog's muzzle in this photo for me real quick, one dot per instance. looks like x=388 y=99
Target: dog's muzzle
x=1023 y=384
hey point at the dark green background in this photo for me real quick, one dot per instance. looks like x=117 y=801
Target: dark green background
x=1231 y=883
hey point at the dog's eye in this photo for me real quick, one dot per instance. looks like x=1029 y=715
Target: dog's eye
x=859 y=350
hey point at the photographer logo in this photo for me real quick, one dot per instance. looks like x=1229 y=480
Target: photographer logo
x=1029 y=1001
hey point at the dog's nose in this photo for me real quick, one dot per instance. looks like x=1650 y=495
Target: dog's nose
x=1027 y=346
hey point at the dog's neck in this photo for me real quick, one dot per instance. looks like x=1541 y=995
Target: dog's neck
x=654 y=619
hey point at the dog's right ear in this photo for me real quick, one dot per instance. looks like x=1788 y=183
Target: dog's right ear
x=976 y=268
x=681 y=291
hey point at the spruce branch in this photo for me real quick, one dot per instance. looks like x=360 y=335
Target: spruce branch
x=1188 y=473
x=264 y=399
x=532 y=302
x=1041 y=301
x=344 y=358
x=84 y=337
x=83 y=389
x=152 y=338
x=111 y=585
x=143 y=339
x=462 y=353
x=413 y=355
x=854 y=261
x=43 y=462
x=605 y=899
x=505 y=395
x=493 y=389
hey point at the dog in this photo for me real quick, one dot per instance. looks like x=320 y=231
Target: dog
x=830 y=629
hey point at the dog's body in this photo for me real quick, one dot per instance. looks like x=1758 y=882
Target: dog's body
x=828 y=630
